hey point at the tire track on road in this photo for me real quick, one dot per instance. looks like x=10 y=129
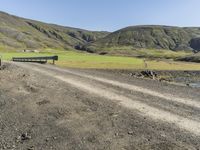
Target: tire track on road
x=143 y=109
x=169 y=97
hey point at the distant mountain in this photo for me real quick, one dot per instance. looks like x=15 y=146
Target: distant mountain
x=18 y=33
x=150 y=37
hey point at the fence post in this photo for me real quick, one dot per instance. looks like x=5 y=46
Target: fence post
x=145 y=64
x=0 y=60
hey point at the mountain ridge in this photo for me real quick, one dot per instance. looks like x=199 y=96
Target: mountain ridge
x=152 y=37
x=16 y=32
x=22 y=33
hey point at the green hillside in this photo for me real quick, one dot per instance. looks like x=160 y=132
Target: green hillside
x=190 y=58
x=149 y=37
x=140 y=41
x=18 y=33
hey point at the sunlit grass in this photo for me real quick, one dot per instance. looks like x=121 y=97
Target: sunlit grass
x=172 y=65
x=75 y=59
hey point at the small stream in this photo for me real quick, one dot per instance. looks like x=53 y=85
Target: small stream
x=195 y=85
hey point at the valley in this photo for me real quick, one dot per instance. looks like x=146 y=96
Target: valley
x=134 y=88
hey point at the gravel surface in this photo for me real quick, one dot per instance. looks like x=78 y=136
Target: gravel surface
x=184 y=78
x=45 y=107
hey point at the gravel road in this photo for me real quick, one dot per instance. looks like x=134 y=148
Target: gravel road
x=46 y=107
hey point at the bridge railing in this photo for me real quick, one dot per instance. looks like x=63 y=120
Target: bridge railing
x=43 y=59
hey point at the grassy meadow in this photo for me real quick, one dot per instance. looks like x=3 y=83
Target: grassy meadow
x=77 y=59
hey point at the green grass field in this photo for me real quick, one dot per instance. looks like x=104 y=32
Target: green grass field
x=147 y=53
x=75 y=59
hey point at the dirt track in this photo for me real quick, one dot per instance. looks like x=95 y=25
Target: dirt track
x=45 y=107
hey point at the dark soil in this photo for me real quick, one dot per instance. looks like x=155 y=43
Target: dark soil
x=183 y=78
x=40 y=113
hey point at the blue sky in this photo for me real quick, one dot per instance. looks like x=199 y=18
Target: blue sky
x=109 y=15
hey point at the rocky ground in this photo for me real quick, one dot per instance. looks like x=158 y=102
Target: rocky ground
x=182 y=78
x=44 y=107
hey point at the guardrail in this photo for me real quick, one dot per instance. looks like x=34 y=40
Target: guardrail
x=41 y=60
